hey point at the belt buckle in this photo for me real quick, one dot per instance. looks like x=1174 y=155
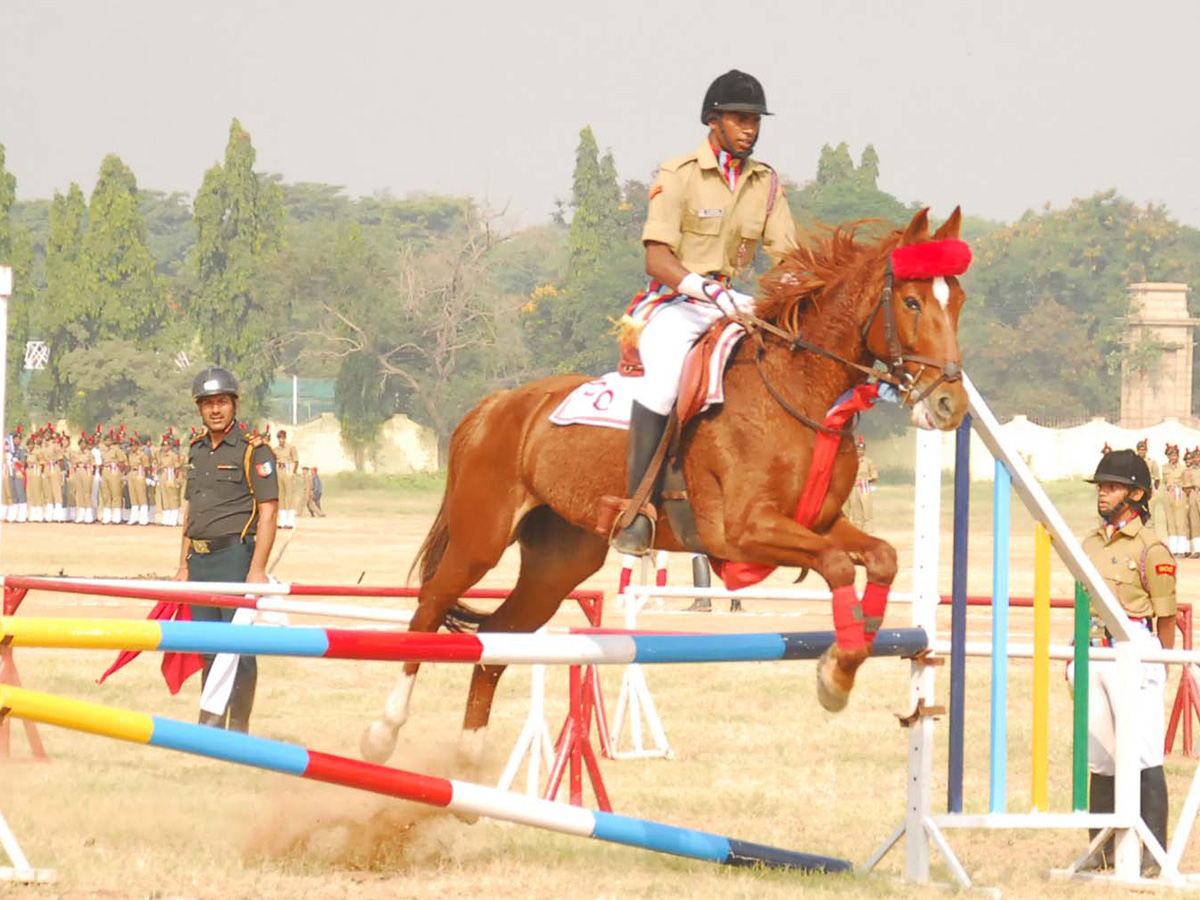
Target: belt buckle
x=200 y=547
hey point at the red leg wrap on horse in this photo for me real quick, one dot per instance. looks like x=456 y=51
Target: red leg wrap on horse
x=874 y=603
x=848 y=619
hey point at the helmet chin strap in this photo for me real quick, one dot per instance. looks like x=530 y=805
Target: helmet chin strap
x=729 y=144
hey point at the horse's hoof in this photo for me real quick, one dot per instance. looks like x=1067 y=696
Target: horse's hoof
x=378 y=742
x=835 y=676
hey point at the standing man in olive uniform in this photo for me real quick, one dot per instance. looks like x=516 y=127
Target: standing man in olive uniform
x=1174 y=506
x=229 y=518
x=289 y=464
x=1140 y=570
x=859 y=509
x=708 y=212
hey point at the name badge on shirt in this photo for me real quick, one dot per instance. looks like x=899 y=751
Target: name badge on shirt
x=710 y=213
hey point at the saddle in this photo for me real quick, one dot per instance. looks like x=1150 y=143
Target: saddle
x=615 y=513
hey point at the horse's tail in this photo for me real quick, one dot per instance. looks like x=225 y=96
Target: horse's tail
x=433 y=548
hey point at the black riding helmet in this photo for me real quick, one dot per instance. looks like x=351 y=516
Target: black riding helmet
x=214 y=381
x=1127 y=468
x=1122 y=467
x=734 y=92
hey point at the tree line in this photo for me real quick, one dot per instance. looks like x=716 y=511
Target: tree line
x=423 y=304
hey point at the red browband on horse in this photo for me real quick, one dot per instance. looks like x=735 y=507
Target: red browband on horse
x=932 y=259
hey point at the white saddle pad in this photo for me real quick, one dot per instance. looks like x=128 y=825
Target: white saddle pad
x=607 y=400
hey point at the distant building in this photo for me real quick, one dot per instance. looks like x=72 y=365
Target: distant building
x=1164 y=389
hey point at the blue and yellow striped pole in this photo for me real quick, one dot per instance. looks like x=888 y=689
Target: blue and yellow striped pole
x=459 y=796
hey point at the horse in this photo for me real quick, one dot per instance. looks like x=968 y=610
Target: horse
x=512 y=475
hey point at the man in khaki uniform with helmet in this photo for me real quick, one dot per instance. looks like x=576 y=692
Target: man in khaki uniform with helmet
x=708 y=212
x=859 y=509
x=1140 y=570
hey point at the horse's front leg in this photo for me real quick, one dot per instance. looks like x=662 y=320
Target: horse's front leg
x=760 y=533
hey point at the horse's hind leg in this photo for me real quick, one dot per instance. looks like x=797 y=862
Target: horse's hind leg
x=555 y=557
x=467 y=552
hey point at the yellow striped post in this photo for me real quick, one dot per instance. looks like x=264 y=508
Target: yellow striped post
x=1041 y=668
x=81 y=634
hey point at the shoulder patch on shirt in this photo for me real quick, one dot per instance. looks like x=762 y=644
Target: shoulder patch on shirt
x=264 y=469
x=1164 y=569
x=655 y=191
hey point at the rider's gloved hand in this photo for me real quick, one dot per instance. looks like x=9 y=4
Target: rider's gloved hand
x=728 y=301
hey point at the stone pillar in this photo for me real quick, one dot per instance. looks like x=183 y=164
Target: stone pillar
x=1165 y=389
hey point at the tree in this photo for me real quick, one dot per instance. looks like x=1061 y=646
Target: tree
x=435 y=327
x=363 y=404
x=569 y=324
x=16 y=250
x=61 y=318
x=1042 y=329
x=171 y=229
x=124 y=296
x=122 y=381
x=238 y=217
x=843 y=193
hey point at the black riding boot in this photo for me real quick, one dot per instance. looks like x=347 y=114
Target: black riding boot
x=701 y=578
x=1154 y=814
x=645 y=431
x=241 y=698
x=1100 y=800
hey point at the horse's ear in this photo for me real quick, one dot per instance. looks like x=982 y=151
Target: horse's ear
x=917 y=230
x=950 y=228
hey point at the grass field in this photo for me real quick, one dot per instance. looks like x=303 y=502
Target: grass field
x=756 y=757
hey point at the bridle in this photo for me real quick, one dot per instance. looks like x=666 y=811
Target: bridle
x=896 y=373
x=950 y=370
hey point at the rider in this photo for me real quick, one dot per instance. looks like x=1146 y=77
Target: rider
x=708 y=211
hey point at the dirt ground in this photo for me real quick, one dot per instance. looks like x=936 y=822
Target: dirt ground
x=755 y=756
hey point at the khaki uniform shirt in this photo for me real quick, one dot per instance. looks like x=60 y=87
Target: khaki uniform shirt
x=1172 y=481
x=226 y=483
x=289 y=459
x=710 y=229
x=1133 y=552
x=866 y=474
x=1155 y=471
x=1191 y=478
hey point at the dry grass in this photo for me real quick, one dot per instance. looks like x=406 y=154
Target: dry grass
x=756 y=756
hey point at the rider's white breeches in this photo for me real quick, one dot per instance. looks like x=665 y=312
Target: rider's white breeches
x=664 y=343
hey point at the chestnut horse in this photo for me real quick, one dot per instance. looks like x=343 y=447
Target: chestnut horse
x=514 y=476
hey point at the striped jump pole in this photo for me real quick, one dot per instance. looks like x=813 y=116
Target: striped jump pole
x=1079 y=746
x=490 y=648
x=958 y=616
x=455 y=796
x=1001 y=526
x=1041 y=669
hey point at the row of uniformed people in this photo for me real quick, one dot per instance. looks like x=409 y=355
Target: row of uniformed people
x=1178 y=487
x=112 y=481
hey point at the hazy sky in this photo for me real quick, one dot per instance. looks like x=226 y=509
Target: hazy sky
x=999 y=106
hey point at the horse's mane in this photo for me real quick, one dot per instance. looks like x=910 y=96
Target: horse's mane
x=817 y=276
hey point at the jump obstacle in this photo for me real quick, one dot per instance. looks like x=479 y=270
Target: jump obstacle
x=577 y=649
x=921 y=826
x=455 y=796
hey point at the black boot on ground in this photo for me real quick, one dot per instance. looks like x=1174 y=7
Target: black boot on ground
x=1154 y=814
x=645 y=431
x=1100 y=800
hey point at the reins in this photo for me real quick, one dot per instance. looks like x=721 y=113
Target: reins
x=895 y=375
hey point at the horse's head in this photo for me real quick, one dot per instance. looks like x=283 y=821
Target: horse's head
x=914 y=327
